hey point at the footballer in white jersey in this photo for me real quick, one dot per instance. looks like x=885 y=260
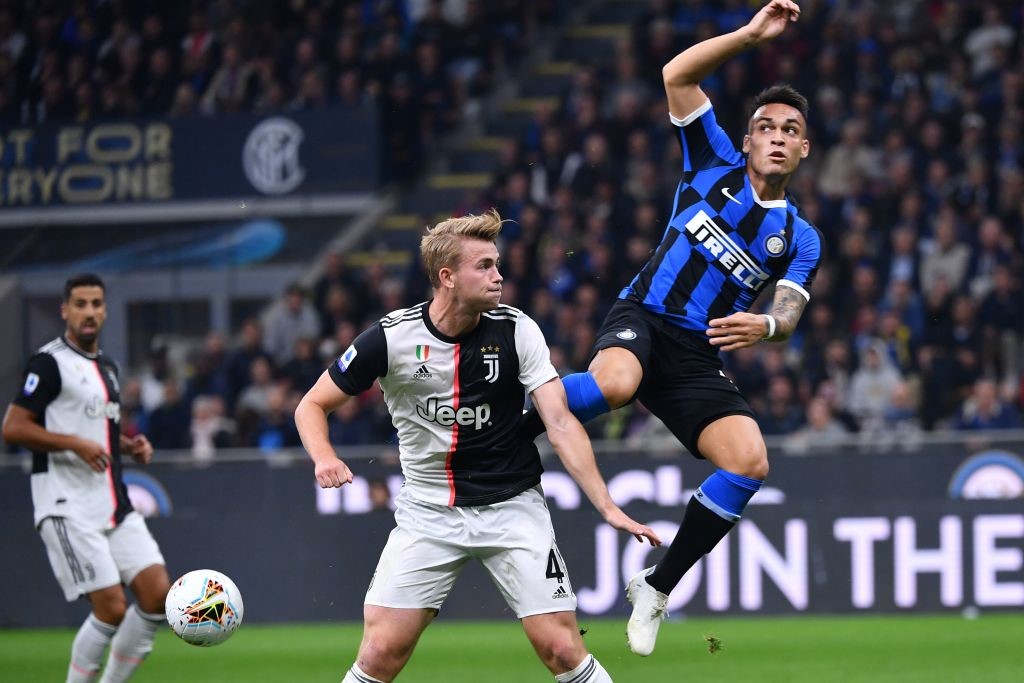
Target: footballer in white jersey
x=67 y=412
x=456 y=402
x=72 y=391
x=455 y=372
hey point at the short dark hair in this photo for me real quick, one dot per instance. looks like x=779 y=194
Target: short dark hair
x=82 y=280
x=782 y=93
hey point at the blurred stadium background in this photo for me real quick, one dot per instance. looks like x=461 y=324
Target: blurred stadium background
x=251 y=179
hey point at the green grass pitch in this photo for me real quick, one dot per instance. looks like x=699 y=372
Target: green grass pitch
x=904 y=649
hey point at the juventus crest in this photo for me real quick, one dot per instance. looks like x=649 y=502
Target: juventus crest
x=490 y=354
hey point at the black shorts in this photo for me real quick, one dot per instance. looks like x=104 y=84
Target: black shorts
x=683 y=384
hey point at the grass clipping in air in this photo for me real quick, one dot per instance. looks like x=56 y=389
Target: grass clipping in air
x=714 y=643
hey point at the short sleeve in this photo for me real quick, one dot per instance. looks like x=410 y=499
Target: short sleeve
x=535 y=366
x=367 y=359
x=40 y=384
x=703 y=142
x=804 y=266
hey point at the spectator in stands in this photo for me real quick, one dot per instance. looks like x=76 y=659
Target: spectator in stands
x=1001 y=319
x=288 y=321
x=783 y=414
x=275 y=428
x=210 y=428
x=232 y=84
x=240 y=360
x=301 y=372
x=169 y=423
x=256 y=396
x=347 y=426
x=872 y=385
x=985 y=410
x=820 y=432
x=210 y=370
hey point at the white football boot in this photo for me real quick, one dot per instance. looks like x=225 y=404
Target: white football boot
x=650 y=607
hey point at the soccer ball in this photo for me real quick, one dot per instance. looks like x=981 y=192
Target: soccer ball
x=204 y=607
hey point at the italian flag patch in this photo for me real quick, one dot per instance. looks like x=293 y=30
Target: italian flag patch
x=422 y=352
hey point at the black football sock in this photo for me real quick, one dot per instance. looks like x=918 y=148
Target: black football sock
x=699 y=533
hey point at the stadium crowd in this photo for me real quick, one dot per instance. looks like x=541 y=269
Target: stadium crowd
x=422 y=61
x=915 y=179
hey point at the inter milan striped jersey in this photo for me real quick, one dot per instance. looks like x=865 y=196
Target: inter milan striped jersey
x=73 y=392
x=456 y=402
x=723 y=244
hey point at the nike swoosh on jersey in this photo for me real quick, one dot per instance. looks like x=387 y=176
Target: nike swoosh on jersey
x=728 y=195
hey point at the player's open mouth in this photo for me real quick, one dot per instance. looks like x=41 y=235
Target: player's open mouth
x=777 y=156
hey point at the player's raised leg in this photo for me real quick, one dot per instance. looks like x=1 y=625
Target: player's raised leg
x=389 y=636
x=610 y=382
x=556 y=639
x=735 y=445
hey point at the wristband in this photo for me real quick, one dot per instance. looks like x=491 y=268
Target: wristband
x=771 y=326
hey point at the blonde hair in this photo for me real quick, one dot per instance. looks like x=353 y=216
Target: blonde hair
x=441 y=247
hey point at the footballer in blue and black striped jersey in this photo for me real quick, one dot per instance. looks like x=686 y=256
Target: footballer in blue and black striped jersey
x=733 y=231
x=723 y=244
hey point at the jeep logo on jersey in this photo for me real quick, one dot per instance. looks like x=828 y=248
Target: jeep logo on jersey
x=97 y=408
x=446 y=416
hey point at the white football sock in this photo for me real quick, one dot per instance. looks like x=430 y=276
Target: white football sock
x=356 y=675
x=87 y=650
x=134 y=640
x=589 y=671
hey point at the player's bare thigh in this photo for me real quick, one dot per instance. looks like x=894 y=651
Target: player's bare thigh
x=734 y=443
x=389 y=636
x=556 y=638
x=618 y=372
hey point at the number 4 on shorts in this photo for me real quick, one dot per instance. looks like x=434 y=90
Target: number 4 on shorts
x=554 y=567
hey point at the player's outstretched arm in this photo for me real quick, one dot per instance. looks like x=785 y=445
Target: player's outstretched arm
x=572 y=445
x=311 y=421
x=741 y=330
x=684 y=73
x=20 y=428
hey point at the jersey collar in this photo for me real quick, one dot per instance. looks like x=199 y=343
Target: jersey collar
x=429 y=324
x=769 y=204
x=78 y=350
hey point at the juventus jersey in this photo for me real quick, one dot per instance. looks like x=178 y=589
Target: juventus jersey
x=456 y=402
x=723 y=243
x=74 y=392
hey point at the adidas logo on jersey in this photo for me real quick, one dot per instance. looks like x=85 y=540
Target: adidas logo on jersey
x=422 y=373
x=560 y=593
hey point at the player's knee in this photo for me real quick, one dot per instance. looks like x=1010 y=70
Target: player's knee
x=110 y=608
x=562 y=652
x=753 y=462
x=383 y=659
x=153 y=603
x=616 y=386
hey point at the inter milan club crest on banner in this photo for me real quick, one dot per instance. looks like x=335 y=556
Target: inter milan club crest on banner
x=422 y=352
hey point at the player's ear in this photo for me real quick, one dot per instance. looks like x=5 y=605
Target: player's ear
x=64 y=310
x=746 y=144
x=445 y=276
x=805 y=148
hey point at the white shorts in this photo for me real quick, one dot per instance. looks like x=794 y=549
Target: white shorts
x=513 y=539
x=85 y=559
